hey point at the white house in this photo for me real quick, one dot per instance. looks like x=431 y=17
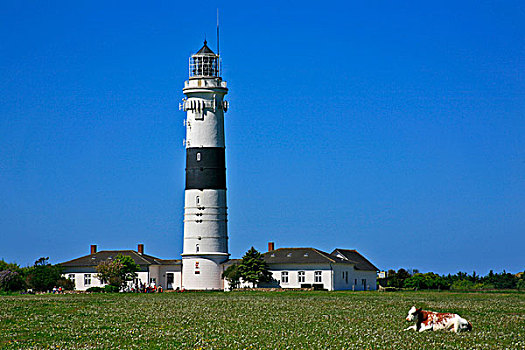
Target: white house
x=161 y=272
x=342 y=269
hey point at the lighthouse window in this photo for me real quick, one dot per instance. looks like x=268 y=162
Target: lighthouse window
x=198 y=200
x=197 y=248
x=198 y=156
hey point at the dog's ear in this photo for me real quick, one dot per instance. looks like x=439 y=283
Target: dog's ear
x=419 y=310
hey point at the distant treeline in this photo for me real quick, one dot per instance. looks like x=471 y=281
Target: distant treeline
x=460 y=281
x=42 y=276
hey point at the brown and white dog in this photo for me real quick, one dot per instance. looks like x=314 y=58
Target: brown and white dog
x=429 y=320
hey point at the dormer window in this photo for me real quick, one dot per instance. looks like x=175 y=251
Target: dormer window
x=306 y=255
x=289 y=255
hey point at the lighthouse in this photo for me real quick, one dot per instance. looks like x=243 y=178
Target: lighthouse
x=205 y=245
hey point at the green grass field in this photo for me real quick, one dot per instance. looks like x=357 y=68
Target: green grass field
x=256 y=320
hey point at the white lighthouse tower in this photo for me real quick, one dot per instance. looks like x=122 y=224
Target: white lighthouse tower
x=205 y=217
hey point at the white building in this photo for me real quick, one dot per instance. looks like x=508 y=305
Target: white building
x=342 y=269
x=161 y=272
x=292 y=268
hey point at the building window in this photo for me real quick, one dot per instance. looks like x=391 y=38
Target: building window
x=71 y=277
x=346 y=277
x=198 y=156
x=355 y=282
x=318 y=277
x=284 y=276
x=301 y=277
x=198 y=200
x=363 y=282
x=87 y=279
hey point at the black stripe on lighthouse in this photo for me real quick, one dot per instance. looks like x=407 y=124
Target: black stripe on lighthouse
x=205 y=168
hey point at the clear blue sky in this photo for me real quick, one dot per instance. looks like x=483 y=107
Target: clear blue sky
x=397 y=129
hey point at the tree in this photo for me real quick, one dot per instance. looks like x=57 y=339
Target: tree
x=397 y=279
x=43 y=276
x=9 y=266
x=233 y=276
x=426 y=281
x=117 y=272
x=11 y=281
x=520 y=285
x=253 y=268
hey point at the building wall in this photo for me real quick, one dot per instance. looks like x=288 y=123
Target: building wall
x=205 y=227
x=203 y=272
x=333 y=277
x=163 y=272
x=293 y=271
x=158 y=272
x=346 y=277
x=204 y=126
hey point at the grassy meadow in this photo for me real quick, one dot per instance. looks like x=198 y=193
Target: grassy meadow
x=256 y=320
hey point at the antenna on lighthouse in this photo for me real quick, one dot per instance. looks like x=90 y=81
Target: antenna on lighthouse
x=217 y=32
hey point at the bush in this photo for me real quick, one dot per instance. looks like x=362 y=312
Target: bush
x=521 y=284
x=66 y=284
x=233 y=276
x=117 y=272
x=95 y=290
x=466 y=285
x=43 y=276
x=111 y=289
x=11 y=281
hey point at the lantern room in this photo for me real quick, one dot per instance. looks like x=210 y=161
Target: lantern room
x=204 y=64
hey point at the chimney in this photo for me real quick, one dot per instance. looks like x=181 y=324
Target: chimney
x=93 y=248
x=271 y=246
x=140 y=248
